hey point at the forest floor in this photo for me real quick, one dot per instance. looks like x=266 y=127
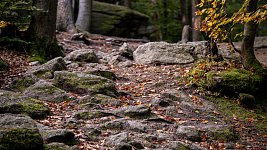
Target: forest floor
x=144 y=85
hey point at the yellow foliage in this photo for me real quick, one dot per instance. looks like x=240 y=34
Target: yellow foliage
x=3 y=24
x=215 y=18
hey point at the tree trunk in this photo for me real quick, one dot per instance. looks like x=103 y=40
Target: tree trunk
x=196 y=20
x=165 y=21
x=183 y=12
x=84 y=16
x=127 y=3
x=186 y=13
x=247 y=49
x=43 y=29
x=65 y=18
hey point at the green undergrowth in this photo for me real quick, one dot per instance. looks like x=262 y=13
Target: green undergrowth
x=198 y=73
x=228 y=79
x=227 y=135
x=257 y=117
x=225 y=78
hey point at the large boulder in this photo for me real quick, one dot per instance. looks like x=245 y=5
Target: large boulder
x=18 y=104
x=83 y=55
x=84 y=83
x=167 y=53
x=19 y=132
x=114 y=20
x=56 y=64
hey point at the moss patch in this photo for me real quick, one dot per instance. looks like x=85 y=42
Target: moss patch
x=85 y=83
x=22 y=83
x=34 y=108
x=105 y=74
x=226 y=135
x=40 y=53
x=231 y=108
x=22 y=139
x=89 y=115
x=57 y=146
x=234 y=81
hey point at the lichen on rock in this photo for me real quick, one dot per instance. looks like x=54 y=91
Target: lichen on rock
x=18 y=104
x=19 y=132
x=84 y=83
x=46 y=91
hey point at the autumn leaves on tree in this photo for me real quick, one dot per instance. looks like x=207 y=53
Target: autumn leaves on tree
x=218 y=26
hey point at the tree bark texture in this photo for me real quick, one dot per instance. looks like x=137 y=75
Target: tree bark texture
x=84 y=16
x=65 y=18
x=196 y=20
x=43 y=29
x=43 y=23
x=165 y=17
x=186 y=14
x=183 y=13
x=247 y=49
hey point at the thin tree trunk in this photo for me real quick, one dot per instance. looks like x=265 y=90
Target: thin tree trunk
x=165 y=17
x=196 y=22
x=189 y=18
x=247 y=49
x=84 y=16
x=183 y=12
x=65 y=18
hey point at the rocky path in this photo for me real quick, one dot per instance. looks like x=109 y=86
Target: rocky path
x=101 y=99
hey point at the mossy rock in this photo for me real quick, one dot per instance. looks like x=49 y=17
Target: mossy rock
x=22 y=139
x=34 y=108
x=97 y=99
x=56 y=64
x=87 y=115
x=83 y=83
x=247 y=100
x=83 y=55
x=45 y=91
x=115 y=20
x=17 y=104
x=19 y=132
x=22 y=83
x=59 y=146
x=3 y=65
x=105 y=74
x=234 y=81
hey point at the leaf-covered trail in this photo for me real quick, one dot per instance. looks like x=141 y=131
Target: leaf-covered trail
x=156 y=109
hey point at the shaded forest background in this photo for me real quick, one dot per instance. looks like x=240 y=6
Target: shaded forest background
x=167 y=17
